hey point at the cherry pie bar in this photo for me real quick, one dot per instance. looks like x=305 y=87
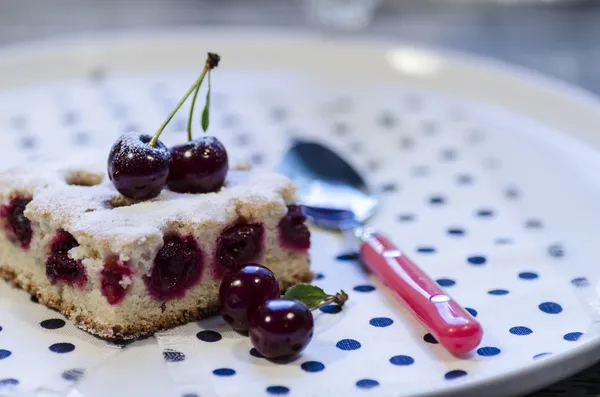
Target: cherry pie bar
x=123 y=268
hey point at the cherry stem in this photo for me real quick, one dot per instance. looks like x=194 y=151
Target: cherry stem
x=189 y=123
x=210 y=64
x=340 y=298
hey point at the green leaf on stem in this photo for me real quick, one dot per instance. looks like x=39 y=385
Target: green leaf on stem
x=308 y=294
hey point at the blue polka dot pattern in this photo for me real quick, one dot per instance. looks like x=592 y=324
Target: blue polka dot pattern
x=0 y=329
x=541 y=355
x=331 y=309
x=426 y=250
x=477 y=260
x=348 y=344
x=7 y=384
x=351 y=256
x=498 y=292
x=190 y=395
x=556 y=251
x=367 y=384
x=364 y=288
x=381 y=322
x=312 y=366
x=550 y=307
x=454 y=374
x=406 y=217
x=209 y=336
x=485 y=213
x=446 y=282
x=72 y=375
x=62 y=348
x=455 y=231
x=528 y=275
x=520 y=330
x=319 y=276
x=173 y=356
x=437 y=200
x=430 y=339
x=472 y=311
x=503 y=241
x=402 y=360
x=573 y=336
x=533 y=224
x=53 y=323
x=580 y=282
x=224 y=372
x=488 y=351
x=464 y=179
x=278 y=390
x=4 y=354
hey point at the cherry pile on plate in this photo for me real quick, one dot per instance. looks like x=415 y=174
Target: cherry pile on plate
x=140 y=165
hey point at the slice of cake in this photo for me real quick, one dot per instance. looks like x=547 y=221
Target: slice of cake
x=121 y=268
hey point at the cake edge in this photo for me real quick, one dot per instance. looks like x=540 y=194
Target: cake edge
x=23 y=280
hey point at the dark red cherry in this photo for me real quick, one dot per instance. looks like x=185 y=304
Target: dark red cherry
x=241 y=292
x=199 y=166
x=238 y=245
x=17 y=226
x=293 y=232
x=138 y=170
x=114 y=281
x=177 y=267
x=60 y=267
x=281 y=328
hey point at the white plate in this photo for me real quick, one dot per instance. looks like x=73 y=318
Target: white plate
x=454 y=143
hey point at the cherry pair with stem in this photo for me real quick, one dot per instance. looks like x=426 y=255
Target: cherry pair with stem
x=278 y=326
x=140 y=165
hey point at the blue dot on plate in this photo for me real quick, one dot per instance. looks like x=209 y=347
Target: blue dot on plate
x=556 y=251
x=381 y=322
x=541 y=355
x=8 y=383
x=349 y=256
x=550 y=307
x=0 y=329
x=190 y=395
x=426 y=250
x=445 y=282
x=53 y=323
x=477 y=260
x=437 y=200
x=464 y=179
x=533 y=224
x=472 y=311
x=364 y=288
x=488 y=351
x=406 y=217
x=402 y=360
x=520 y=330
x=348 y=344
x=503 y=241
x=498 y=292
x=572 y=336
x=580 y=282
x=172 y=356
x=319 y=276
x=72 y=375
x=456 y=231
x=278 y=390
x=485 y=213
x=4 y=354
x=457 y=373
x=367 y=383
x=62 y=347
x=224 y=372
x=331 y=309
x=312 y=366
x=209 y=336
x=528 y=275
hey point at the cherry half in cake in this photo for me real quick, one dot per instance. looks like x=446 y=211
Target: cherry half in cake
x=115 y=280
x=238 y=245
x=16 y=225
x=177 y=267
x=294 y=233
x=60 y=267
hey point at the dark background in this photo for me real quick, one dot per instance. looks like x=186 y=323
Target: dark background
x=561 y=41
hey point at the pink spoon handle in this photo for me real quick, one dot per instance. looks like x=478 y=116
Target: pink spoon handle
x=452 y=326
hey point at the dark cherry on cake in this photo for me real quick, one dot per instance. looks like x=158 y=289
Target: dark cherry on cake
x=281 y=328
x=60 y=267
x=243 y=291
x=113 y=281
x=16 y=225
x=293 y=232
x=138 y=169
x=238 y=245
x=177 y=267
